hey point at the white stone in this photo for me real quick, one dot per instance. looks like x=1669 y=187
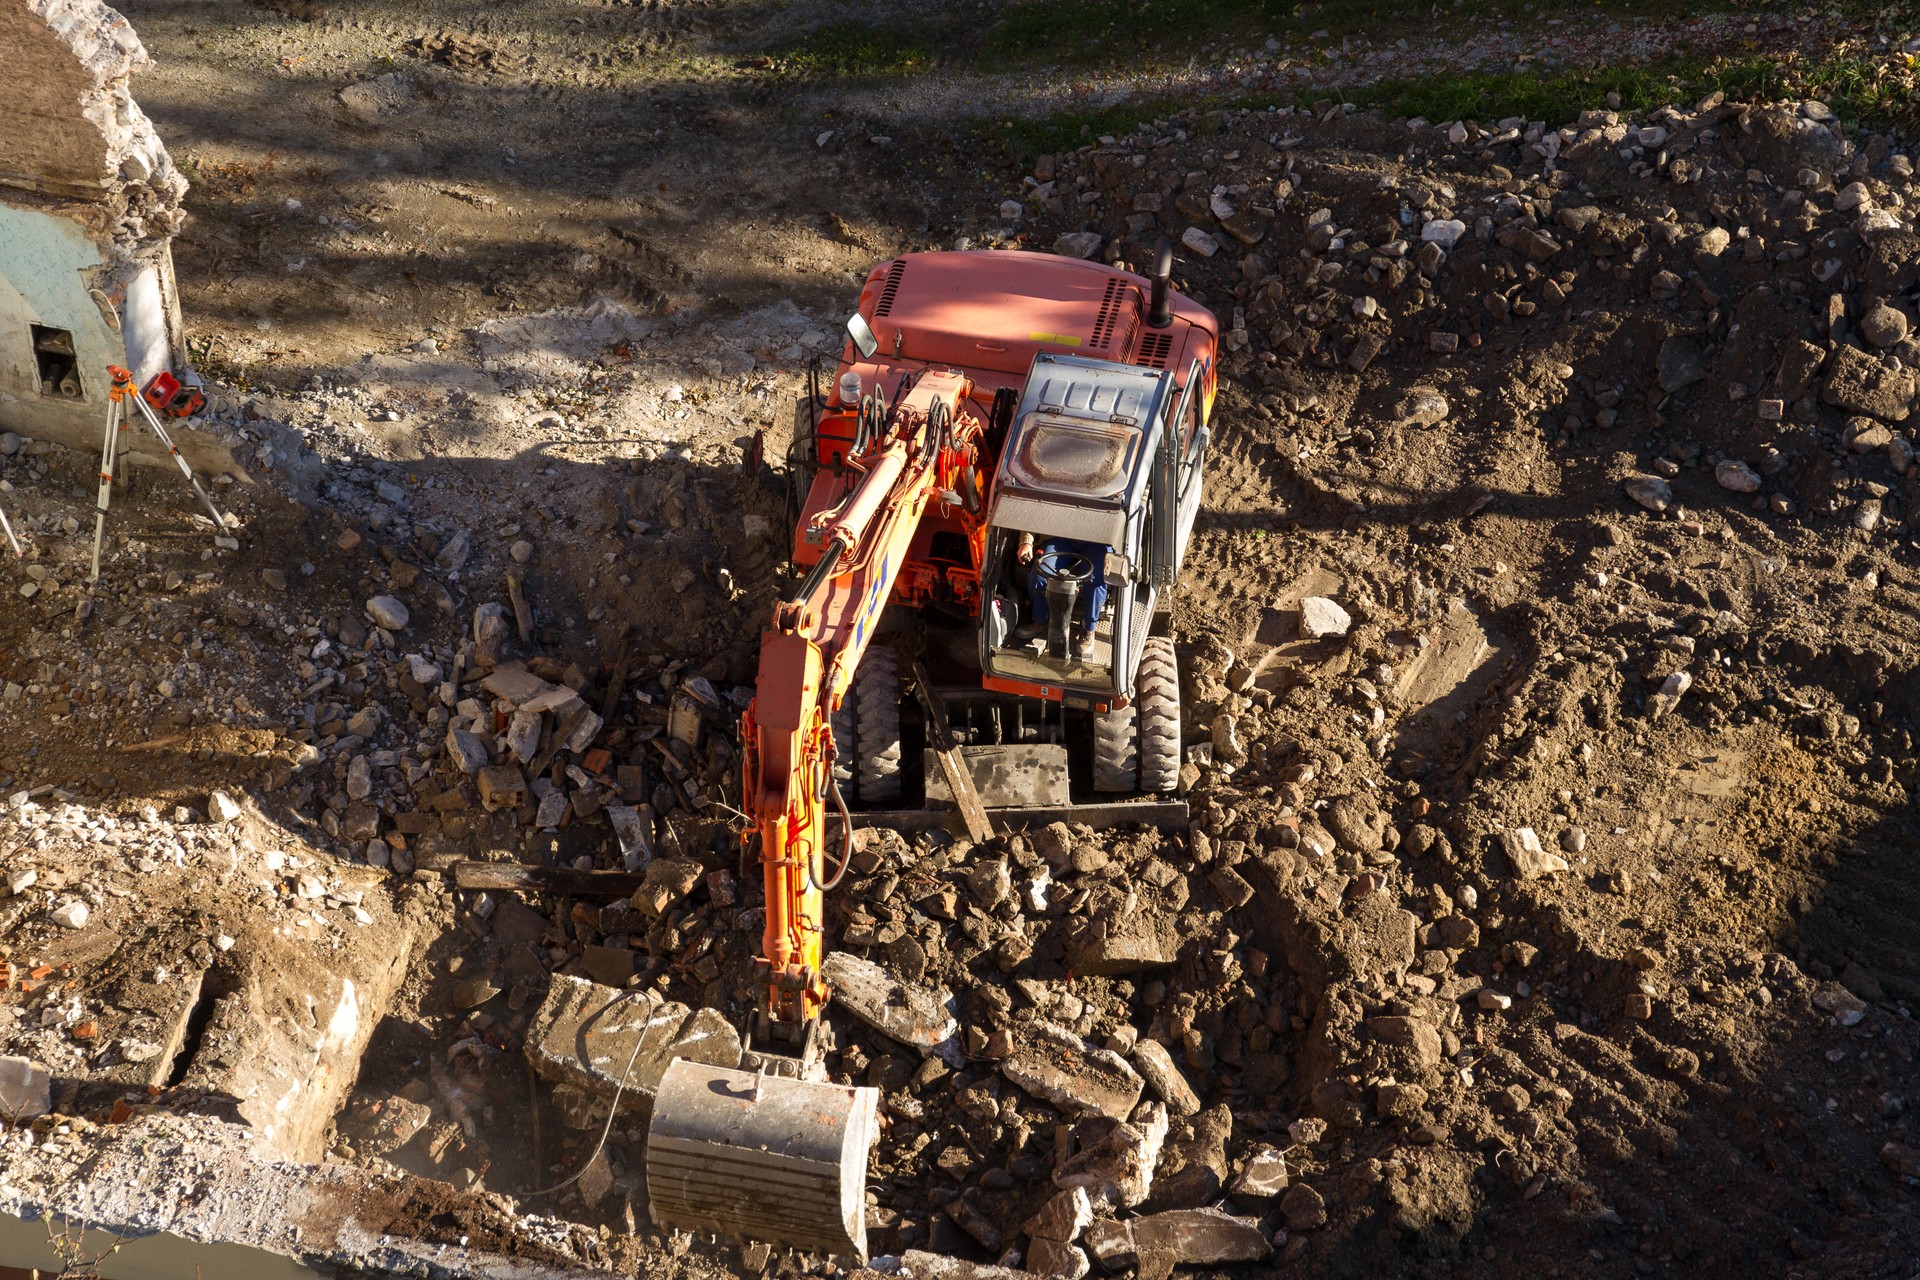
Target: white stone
x=1445 y=232
x=1736 y=477
x=468 y=753
x=221 y=808
x=387 y=612
x=71 y=914
x=1078 y=244
x=1200 y=242
x=359 y=778
x=1321 y=617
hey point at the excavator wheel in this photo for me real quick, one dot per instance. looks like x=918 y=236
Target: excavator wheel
x=876 y=695
x=1138 y=747
x=1156 y=705
x=1116 y=751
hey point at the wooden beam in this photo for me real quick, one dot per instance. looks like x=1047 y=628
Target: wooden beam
x=520 y=877
x=959 y=780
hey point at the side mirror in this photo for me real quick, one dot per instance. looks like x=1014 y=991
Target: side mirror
x=863 y=337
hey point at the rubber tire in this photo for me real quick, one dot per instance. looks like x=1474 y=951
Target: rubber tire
x=845 y=749
x=1156 y=703
x=876 y=695
x=1116 y=751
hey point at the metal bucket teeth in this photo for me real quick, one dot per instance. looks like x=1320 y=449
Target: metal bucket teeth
x=761 y=1157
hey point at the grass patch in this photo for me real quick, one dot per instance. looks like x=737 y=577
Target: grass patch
x=1157 y=33
x=1865 y=91
x=1553 y=98
x=1862 y=91
x=850 y=50
x=1134 y=31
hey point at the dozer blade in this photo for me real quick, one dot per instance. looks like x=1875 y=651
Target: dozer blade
x=761 y=1157
x=1170 y=816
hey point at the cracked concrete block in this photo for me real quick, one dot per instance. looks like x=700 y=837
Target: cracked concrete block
x=586 y=1035
x=1057 y=1066
x=26 y=1089
x=916 y=1016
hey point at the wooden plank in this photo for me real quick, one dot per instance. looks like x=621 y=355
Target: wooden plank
x=520 y=877
x=959 y=779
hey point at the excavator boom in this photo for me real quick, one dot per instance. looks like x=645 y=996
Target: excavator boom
x=780 y=1153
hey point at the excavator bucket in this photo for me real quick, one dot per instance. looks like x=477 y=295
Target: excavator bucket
x=761 y=1157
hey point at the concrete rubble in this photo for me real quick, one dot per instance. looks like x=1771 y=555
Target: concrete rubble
x=1414 y=978
x=595 y=1039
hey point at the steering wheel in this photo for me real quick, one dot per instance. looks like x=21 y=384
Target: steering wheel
x=1064 y=566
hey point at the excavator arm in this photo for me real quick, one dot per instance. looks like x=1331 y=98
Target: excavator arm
x=779 y=1153
x=807 y=663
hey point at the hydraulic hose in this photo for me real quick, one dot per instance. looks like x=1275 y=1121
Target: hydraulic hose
x=846 y=839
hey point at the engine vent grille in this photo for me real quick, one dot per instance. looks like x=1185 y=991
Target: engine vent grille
x=891 y=289
x=1154 y=350
x=1103 y=324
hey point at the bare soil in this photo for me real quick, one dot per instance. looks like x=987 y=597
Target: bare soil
x=545 y=287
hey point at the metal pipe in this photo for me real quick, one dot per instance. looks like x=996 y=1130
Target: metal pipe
x=1160 y=314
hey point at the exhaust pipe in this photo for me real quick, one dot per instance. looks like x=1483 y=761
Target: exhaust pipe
x=1160 y=314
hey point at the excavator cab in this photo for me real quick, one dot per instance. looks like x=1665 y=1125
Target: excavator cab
x=1101 y=477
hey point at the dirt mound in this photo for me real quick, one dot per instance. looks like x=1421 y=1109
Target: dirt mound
x=1576 y=855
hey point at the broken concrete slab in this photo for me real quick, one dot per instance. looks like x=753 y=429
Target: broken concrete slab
x=1057 y=1259
x=1065 y=1217
x=1123 y=942
x=1264 y=1177
x=1157 y=1065
x=1116 y=1164
x=1055 y=1065
x=1110 y=1241
x=668 y=880
x=26 y=1089
x=468 y=754
x=919 y=1017
x=585 y=1035
x=633 y=828
x=557 y=698
x=1197 y=1237
x=512 y=682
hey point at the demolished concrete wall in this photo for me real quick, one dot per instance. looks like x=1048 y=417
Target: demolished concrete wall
x=89 y=203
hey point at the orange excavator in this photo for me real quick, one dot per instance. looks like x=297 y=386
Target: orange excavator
x=1012 y=452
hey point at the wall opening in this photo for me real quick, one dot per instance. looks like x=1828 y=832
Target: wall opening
x=53 y=357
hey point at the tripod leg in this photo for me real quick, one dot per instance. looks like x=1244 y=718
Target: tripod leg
x=105 y=495
x=17 y=549
x=153 y=421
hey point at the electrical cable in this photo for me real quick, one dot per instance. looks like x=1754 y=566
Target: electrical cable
x=612 y=1111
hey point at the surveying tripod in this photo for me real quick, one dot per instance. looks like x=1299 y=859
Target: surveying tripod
x=120 y=418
